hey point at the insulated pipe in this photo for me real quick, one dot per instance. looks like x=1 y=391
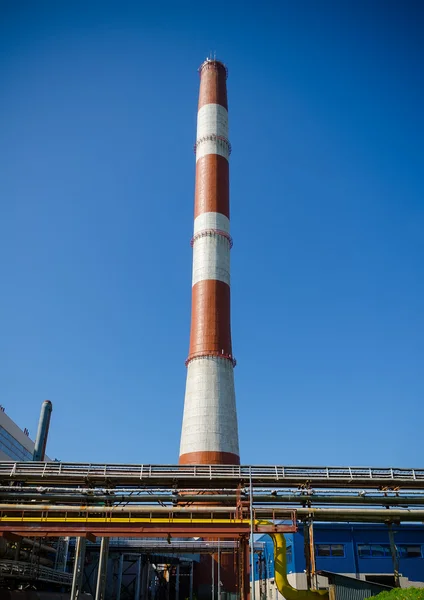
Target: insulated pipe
x=70 y=508
x=26 y=556
x=92 y=491
x=204 y=499
x=44 y=547
x=43 y=431
x=84 y=499
x=319 y=514
x=358 y=514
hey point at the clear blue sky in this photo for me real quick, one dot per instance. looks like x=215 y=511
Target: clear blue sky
x=97 y=121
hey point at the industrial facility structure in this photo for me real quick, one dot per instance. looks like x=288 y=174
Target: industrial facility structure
x=206 y=528
x=209 y=431
x=15 y=443
x=197 y=509
x=356 y=550
x=24 y=559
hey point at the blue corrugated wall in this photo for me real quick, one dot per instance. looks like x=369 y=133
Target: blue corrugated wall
x=350 y=535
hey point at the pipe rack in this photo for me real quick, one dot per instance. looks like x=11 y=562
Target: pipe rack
x=206 y=476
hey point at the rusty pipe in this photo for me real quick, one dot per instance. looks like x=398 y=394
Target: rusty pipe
x=202 y=499
x=324 y=514
x=358 y=514
x=38 y=545
x=117 y=509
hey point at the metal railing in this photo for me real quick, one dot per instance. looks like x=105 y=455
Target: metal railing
x=207 y=475
x=172 y=546
x=28 y=571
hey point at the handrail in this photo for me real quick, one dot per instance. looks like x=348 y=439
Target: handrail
x=119 y=474
x=13 y=568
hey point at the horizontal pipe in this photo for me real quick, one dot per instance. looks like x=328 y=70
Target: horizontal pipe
x=317 y=499
x=28 y=542
x=172 y=492
x=155 y=494
x=95 y=491
x=114 y=499
x=26 y=557
x=202 y=499
x=325 y=514
x=352 y=514
x=64 y=508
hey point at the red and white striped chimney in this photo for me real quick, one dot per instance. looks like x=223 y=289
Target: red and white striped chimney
x=209 y=432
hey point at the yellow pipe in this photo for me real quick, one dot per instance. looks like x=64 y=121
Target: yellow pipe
x=82 y=519
x=280 y=567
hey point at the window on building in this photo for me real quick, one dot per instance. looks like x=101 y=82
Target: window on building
x=364 y=550
x=409 y=550
x=289 y=553
x=10 y=446
x=379 y=550
x=374 y=550
x=323 y=550
x=383 y=550
x=329 y=550
x=337 y=550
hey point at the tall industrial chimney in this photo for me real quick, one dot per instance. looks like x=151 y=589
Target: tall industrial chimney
x=209 y=431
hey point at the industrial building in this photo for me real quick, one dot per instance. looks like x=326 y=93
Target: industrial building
x=15 y=443
x=356 y=550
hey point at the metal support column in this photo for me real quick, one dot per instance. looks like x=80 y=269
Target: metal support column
x=62 y=554
x=306 y=549
x=148 y=577
x=213 y=578
x=168 y=580
x=393 y=552
x=190 y=597
x=102 y=572
x=138 y=580
x=177 y=583
x=119 y=582
x=145 y=580
x=244 y=568
x=312 y=555
x=247 y=572
x=18 y=550
x=252 y=541
x=219 y=572
x=78 y=568
x=153 y=582
x=240 y=568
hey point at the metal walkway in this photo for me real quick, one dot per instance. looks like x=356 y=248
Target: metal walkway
x=27 y=571
x=141 y=521
x=208 y=476
x=177 y=546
